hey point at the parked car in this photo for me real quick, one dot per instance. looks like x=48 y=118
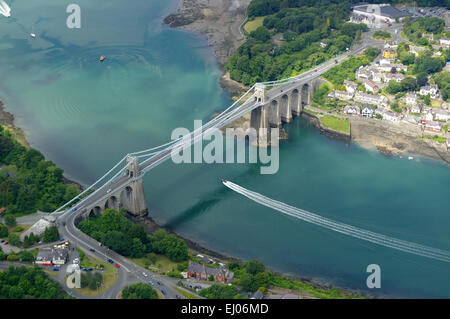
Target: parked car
x=178 y=296
x=6 y=243
x=93 y=250
x=163 y=292
x=56 y=269
x=117 y=266
x=110 y=261
x=144 y=274
x=61 y=239
x=158 y=283
x=2 y=241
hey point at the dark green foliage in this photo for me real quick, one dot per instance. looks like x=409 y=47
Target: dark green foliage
x=14 y=239
x=30 y=240
x=37 y=185
x=221 y=292
x=346 y=70
x=114 y=230
x=407 y=84
x=427 y=64
x=303 y=24
x=443 y=82
x=28 y=283
x=26 y=256
x=139 y=291
x=3 y=231
x=415 y=28
x=261 y=34
x=50 y=234
x=10 y=220
x=93 y=281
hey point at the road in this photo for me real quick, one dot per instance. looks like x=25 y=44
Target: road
x=129 y=272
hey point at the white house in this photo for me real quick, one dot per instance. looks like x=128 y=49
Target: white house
x=411 y=98
x=350 y=86
x=367 y=111
x=442 y=115
x=391 y=116
x=397 y=77
x=429 y=116
x=385 y=61
x=341 y=95
x=445 y=42
x=371 y=99
x=352 y=110
x=433 y=126
x=432 y=90
x=370 y=86
x=377 y=76
x=415 y=108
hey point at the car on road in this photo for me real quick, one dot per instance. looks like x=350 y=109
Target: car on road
x=117 y=265
x=315 y=70
x=163 y=292
x=56 y=269
x=61 y=239
x=336 y=61
x=151 y=283
x=144 y=274
x=2 y=241
x=110 y=261
x=158 y=283
x=108 y=191
x=178 y=296
x=6 y=243
x=93 y=250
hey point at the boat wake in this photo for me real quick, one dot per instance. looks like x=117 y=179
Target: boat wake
x=5 y=9
x=402 y=245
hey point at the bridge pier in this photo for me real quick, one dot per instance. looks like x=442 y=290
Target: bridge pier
x=133 y=196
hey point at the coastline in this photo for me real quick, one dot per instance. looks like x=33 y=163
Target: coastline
x=7 y=121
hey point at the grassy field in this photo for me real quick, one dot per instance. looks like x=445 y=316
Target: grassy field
x=335 y=123
x=187 y=294
x=161 y=264
x=254 y=24
x=110 y=275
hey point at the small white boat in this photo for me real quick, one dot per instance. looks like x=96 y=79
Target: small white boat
x=410 y=157
x=33 y=35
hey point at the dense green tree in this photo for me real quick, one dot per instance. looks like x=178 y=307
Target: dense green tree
x=3 y=231
x=254 y=267
x=26 y=256
x=261 y=34
x=50 y=234
x=139 y=291
x=14 y=239
x=10 y=220
x=221 y=292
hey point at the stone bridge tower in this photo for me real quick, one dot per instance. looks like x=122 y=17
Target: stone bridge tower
x=133 y=197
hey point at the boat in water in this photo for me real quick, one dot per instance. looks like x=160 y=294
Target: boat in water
x=102 y=58
x=33 y=35
x=5 y=9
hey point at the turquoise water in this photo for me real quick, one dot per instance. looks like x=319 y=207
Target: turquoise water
x=86 y=115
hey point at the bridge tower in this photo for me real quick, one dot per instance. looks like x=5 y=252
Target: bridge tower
x=259 y=117
x=134 y=196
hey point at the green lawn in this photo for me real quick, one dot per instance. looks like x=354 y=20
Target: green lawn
x=187 y=294
x=161 y=264
x=250 y=26
x=110 y=274
x=335 y=123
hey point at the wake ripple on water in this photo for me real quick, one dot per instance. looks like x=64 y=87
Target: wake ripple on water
x=383 y=240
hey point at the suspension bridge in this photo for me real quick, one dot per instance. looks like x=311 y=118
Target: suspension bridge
x=269 y=104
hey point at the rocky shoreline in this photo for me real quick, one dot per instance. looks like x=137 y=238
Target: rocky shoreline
x=220 y=22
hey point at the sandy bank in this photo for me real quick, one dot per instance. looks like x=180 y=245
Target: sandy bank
x=220 y=22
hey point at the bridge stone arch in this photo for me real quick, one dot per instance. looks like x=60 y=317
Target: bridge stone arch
x=305 y=95
x=285 y=108
x=274 y=116
x=295 y=104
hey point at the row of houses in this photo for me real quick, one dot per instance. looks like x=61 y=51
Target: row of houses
x=56 y=255
x=203 y=272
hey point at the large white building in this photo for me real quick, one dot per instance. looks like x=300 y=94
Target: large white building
x=379 y=12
